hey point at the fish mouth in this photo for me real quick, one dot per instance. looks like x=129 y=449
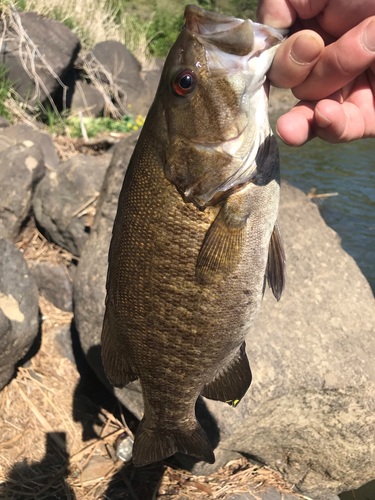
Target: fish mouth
x=229 y=34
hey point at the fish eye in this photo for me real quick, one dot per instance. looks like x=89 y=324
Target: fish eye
x=184 y=82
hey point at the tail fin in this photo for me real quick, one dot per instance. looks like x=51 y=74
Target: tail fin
x=151 y=446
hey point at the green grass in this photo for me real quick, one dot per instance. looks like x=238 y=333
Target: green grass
x=165 y=18
x=63 y=124
x=95 y=126
x=5 y=86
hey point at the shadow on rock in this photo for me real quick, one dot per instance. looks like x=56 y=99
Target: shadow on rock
x=45 y=479
x=91 y=397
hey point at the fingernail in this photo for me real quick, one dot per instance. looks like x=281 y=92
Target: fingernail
x=282 y=138
x=368 y=36
x=305 y=49
x=322 y=121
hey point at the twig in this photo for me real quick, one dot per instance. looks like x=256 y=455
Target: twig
x=123 y=426
x=83 y=128
x=323 y=195
x=85 y=205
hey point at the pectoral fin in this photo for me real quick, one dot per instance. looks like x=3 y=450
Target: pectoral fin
x=115 y=364
x=276 y=268
x=222 y=246
x=231 y=384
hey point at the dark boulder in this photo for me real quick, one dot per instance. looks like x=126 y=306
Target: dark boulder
x=89 y=282
x=87 y=99
x=19 y=316
x=3 y=122
x=64 y=195
x=21 y=168
x=47 y=42
x=24 y=134
x=54 y=283
x=121 y=64
x=310 y=412
x=136 y=88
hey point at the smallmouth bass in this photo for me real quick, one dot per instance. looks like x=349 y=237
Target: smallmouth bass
x=195 y=234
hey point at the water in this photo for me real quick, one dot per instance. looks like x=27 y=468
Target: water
x=348 y=169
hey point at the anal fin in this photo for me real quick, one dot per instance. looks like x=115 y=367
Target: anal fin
x=232 y=383
x=154 y=445
x=276 y=266
x=115 y=364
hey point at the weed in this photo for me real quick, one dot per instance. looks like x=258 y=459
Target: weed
x=96 y=126
x=5 y=86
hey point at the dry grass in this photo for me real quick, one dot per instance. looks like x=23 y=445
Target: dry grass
x=93 y=22
x=36 y=248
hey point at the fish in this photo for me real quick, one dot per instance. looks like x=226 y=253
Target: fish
x=196 y=235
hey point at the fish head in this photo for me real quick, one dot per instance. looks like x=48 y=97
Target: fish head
x=211 y=75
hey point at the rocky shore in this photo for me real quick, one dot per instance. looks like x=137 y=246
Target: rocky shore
x=309 y=414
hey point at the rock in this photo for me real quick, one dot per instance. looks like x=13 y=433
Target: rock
x=123 y=66
x=54 y=284
x=270 y=494
x=64 y=193
x=87 y=99
x=310 y=410
x=24 y=134
x=21 y=168
x=3 y=122
x=56 y=44
x=63 y=343
x=136 y=89
x=97 y=468
x=89 y=282
x=143 y=102
x=19 y=317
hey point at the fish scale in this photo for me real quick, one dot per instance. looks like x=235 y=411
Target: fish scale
x=186 y=280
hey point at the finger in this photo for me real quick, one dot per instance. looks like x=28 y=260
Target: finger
x=340 y=63
x=306 y=9
x=295 y=59
x=335 y=122
x=276 y=13
x=338 y=18
x=296 y=127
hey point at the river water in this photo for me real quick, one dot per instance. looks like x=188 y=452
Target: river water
x=348 y=169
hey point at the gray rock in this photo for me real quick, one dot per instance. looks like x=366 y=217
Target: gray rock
x=55 y=284
x=87 y=99
x=137 y=89
x=63 y=192
x=21 y=168
x=56 y=44
x=3 y=122
x=89 y=282
x=123 y=66
x=310 y=412
x=63 y=343
x=270 y=494
x=19 y=318
x=24 y=134
x=144 y=100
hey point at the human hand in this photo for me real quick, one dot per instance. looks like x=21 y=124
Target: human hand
x=329 y=65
